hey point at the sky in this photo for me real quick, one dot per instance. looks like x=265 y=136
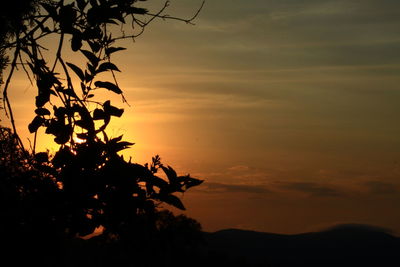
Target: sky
x=288 y=109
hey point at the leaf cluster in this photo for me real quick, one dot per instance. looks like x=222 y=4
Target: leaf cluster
x=40 y=214
x=94 y=184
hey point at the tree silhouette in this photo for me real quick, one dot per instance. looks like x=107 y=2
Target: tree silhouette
x=86 y=184
x=11 y=20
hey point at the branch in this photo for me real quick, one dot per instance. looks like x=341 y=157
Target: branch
x=189 y=21
x=143 y=24
x=6 y=100
x=27 y=35
x=25 y=70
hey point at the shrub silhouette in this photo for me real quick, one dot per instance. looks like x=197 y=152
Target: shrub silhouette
x=86 y=183
x=30 y=201
x=35 y=227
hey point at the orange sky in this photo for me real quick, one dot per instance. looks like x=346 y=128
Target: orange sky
x=288 y=109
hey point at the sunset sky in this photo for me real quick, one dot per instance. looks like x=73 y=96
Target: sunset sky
x=289 y=109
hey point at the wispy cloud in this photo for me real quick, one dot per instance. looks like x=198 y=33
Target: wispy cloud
x=211 y=187
x=381 y=187
x=312 y=189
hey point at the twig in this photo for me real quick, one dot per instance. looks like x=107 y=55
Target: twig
x=25 y=70
x=143 y=24
x=189 y=21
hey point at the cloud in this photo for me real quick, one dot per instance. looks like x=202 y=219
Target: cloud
x=239 y=168
x=211 y=187
x=381 y=188
x=285 y=33
x=312 y=189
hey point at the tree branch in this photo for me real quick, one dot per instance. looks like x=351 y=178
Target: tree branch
x=6 y=100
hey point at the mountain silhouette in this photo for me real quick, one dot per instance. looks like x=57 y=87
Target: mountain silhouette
x=343 y=245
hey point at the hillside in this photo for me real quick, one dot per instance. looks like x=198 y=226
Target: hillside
x=346 y=245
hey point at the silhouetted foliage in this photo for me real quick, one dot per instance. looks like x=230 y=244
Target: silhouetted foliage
x=86 y=184
x=31 y=215
x=12 y=18
x=164 y=247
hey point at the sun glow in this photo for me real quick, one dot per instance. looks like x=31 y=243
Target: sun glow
x=78 y=140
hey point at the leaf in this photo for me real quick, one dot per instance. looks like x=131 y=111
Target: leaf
x=83 y=88
x=106 y=122
x=77 y=71
x=123 y=145
x=91 y=56
x=91 y=68
x=88 y=77
x=50 y=9
x=83 y=136
x=98 y=114
x=111 y=50
x=118 y=146
x=42 y=111
x=61 y=131
x=111 y=21
x=62 y=138
x=114 y=13
x=93 y=3
x=157 y=181
x=171 y=174
x=55 y=127
x=94 y=33
x=81 y=4
x=115 y=144
x=94 y=16
x=190 y=182
x=172 y=200
x=108 y=85
x=44 y=84
x=137 y=10
x=86 y=120
x=52 y=92
x=84 y=124
x=35 y=124
x=95 y=46
x=67 y=17
x=116 y=139
x=106 y=66
x=60 y=112
x=69 y=92
x=41 y=157
x=113 y=111
x=62 y=157
x=76 y=42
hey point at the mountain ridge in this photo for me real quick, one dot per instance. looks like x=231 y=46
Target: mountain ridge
x=341 y=245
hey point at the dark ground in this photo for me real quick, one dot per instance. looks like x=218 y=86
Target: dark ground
x=344 y=246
